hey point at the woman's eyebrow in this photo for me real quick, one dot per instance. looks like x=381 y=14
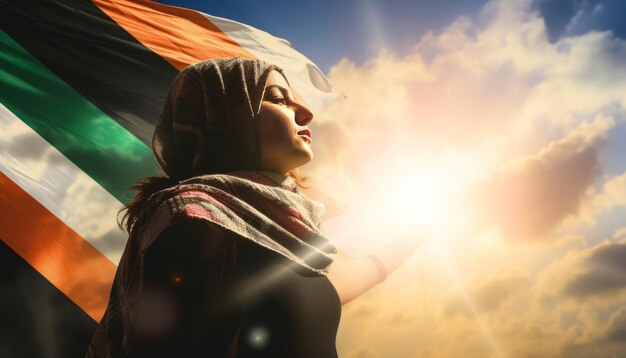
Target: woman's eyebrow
x=285 y=91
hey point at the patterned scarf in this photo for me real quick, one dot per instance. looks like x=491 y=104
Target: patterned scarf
x=265 y=207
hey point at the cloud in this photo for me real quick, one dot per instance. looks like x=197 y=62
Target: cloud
x=363 y=353
x=604 y=272
x=616 y=331
x=619 y=233
x=363 y=310
x=488 y=295
x=493 y=89
x=611 y=195
x=591 y=276
x=611 y=342
x=596 y=16
x=525 y=120
x=531 y=195
x=508 y=311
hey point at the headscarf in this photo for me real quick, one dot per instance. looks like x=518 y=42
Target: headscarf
x=211 y=153
x=203 y=148
x=196 y=134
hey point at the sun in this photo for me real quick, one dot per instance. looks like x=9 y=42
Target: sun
x=404 y=191
x=417 y=200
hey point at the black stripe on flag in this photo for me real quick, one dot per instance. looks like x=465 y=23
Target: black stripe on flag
x=95 y=56
x=36 y=319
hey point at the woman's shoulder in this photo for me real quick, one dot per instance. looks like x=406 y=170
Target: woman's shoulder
x=198 y=237
x=193 y=229
x=188 y=220
x=178 y=215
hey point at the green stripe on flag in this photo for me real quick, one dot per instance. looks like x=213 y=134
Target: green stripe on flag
x=98 y=145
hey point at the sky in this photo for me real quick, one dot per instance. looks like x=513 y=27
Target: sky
x=326 y=30
x=500 y=124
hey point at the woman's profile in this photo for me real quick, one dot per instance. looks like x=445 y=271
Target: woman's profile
x=225 y=257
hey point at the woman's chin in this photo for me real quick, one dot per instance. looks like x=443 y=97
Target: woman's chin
x=309 y=157
x=304 y=159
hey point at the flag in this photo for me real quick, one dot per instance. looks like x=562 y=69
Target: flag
x=81 y=86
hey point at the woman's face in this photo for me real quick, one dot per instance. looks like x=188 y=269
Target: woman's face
x=284 y=138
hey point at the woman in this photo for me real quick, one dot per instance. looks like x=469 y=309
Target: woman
x=225 y=257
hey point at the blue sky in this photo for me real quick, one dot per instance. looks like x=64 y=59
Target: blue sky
x=575 y=17
x=327 y=30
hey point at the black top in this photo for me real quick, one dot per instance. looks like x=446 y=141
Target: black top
x=209 y=292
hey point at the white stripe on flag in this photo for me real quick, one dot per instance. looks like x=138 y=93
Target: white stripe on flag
x=60 y=186
x=303 y=74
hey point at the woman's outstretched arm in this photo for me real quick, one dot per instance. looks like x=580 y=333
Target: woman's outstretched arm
x=354 y=276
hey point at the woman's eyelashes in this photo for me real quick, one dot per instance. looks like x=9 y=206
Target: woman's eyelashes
x=279 y=97
x=281 y=101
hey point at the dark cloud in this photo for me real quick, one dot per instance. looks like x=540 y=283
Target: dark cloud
x=605 y=273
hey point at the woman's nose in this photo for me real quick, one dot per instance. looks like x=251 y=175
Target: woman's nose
x=304 y=115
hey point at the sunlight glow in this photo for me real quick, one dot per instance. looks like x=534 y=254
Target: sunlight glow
x=408 y=191
x=417 y=201
x=415 y=193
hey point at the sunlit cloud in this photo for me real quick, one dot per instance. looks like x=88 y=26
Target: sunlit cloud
x=490 y=293
x=612 y=194
x=531 y=195
x=501 y=133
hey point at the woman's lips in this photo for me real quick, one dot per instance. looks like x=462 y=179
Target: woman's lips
x=305 y=133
